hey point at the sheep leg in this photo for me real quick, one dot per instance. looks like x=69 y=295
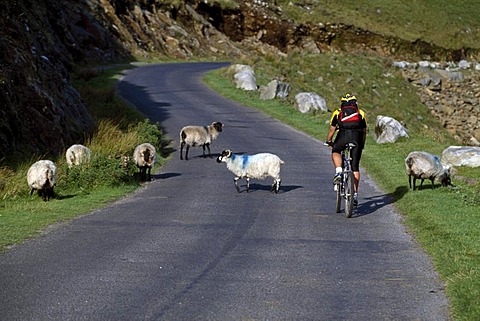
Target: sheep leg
x=181 y=149
x=236 y=183
x=149 y=174
x=186 y=152
x=208 y=147
x=410 y=181
x=248 y=184
x=275 y=186
x=432 y=180
x=414 y=182
x=48 y=194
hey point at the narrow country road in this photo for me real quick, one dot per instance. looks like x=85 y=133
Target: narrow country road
x=187 y=246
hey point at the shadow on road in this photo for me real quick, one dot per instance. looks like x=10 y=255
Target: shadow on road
x=165 y=175
x=266 y=187
x=371 y=204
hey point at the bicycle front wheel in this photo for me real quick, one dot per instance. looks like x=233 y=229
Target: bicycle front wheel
x=349 y=190
x=339 y=197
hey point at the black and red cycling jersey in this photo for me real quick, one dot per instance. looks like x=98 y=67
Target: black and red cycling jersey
x=351 y=135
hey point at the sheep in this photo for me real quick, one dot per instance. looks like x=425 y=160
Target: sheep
x=145 y=157
x=422 y=165
x=77 y=154
x=42 y=176
x=199 y=136
x=257 y=166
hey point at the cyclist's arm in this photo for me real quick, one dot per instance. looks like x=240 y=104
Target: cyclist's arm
x=333 y=127
x=331 y=132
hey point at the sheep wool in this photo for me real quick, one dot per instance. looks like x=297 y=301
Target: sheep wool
x=194 y=136
x=77 y=154
x=422 y=165
x=42 y=177
x=258 y=166
x=145 y=157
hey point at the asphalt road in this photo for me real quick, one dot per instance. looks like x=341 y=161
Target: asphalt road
x=187 y=246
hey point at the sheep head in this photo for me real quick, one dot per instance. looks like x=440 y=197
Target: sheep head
x=218 y=126
x=445 y=178
x=227 y=153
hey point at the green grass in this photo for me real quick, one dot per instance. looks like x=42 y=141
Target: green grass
x=444 y=220
x=449 y=24
x=25 y=217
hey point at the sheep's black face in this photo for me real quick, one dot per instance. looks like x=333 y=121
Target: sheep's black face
x=446 y=181
x=223 y=157
x=218 y=126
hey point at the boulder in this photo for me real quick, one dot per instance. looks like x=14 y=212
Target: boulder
x=305 y=102
x=275 y=88
x=236 y=68
x=388 y=130
x=245 y=80
x=461 y=156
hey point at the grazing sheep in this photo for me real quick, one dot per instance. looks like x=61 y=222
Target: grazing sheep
x=145 y=156
x=422 y=165
x=77 y=154
x=257 y=166
x=42 y=176
x=193 y=136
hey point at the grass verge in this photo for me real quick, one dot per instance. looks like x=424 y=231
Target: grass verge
x=110 y=174
x=443 y=220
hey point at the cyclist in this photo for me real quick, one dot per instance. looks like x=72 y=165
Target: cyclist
x=350 y=123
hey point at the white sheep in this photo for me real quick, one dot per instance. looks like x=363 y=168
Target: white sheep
x=257 y=166
x=42 y=176
x=193 y=136
x=145 y=157
x=77 y=154
x=423 y=165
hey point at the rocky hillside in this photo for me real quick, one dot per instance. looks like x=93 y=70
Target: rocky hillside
x=42 y=45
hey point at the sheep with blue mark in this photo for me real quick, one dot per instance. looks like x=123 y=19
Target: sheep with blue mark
x=422 y=165
x=258 y=166
x=193 y=136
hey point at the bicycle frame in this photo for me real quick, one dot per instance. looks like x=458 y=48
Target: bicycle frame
x=345 y=189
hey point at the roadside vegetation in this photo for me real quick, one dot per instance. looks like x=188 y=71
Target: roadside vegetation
x=110 y=175
x=444 y=220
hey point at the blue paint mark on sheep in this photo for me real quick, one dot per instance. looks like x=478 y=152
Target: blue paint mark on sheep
x=244 y=161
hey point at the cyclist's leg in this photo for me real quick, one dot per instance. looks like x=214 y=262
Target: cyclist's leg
x=337 y=159
x=357 y=180
x=337 y=148
x=356 y=156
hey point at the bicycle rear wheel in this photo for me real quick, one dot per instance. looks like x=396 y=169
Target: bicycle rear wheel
x=349 y=190
x=339 y=197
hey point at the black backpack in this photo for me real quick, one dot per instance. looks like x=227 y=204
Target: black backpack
x=349 y=116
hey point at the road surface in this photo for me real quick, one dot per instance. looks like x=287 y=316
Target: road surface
x=187 y=246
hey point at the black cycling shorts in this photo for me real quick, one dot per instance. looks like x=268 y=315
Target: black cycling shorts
x=345 y=136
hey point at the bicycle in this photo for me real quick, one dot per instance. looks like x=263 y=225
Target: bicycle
x=345 y=188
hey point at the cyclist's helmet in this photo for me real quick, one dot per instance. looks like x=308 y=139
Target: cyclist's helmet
x=348 y=98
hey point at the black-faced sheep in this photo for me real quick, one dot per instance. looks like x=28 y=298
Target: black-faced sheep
x=42 y=177
x=145 y=157
x=422 y=165
x=257 y=166
x=193 y=136
x=77 y=154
